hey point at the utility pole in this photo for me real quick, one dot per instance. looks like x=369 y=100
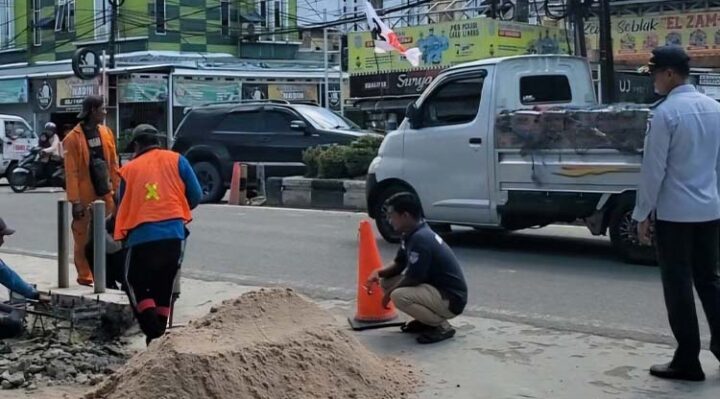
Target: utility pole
x=578 y=10
x=607 y=62
x=114 y=4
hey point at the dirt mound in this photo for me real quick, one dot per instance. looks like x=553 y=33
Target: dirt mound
x=268 y=344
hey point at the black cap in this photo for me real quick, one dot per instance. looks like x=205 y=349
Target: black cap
x=88 y=104
x=142 y=130
x=4 y=230
x=669 y=57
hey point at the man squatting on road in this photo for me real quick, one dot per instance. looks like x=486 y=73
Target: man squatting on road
x=425 y=280
x=157 y=191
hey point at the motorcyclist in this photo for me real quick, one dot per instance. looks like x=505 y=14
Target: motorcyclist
x=51 y=149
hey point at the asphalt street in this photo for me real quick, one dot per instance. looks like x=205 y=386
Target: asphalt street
x=558 y=277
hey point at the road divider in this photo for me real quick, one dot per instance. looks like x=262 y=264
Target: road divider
x=300 y=192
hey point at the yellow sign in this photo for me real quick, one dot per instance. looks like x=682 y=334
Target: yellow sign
x=72 y=91
x=634 y=38
x=292 y=92
x=152 y=193
x=451 y=43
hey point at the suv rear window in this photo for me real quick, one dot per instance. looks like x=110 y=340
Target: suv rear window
x=541 y=89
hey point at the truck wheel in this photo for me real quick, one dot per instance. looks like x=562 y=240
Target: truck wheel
x=380 y=211
x=213 y=188
x=623 y=235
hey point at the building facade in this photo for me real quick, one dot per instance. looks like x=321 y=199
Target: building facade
x=170 y=55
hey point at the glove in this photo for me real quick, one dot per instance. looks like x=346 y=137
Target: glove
x=78 y=211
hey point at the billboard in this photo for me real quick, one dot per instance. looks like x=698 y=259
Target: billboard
x=635 y=37
x=450 y=43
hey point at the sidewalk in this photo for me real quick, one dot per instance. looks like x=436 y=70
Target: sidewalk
x=487 y=359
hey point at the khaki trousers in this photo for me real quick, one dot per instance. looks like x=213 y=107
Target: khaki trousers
x=424 y=302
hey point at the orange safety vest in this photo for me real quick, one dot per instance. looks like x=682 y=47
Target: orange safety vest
x=154 y=192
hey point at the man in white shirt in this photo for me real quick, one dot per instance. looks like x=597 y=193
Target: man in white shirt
x=679 y=188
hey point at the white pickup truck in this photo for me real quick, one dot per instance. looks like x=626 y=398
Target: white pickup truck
x=16 y=139
x=448 y=151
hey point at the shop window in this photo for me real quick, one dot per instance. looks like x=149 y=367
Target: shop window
x=133 y=114
x=7 y=24
x=160 y=20
x=37 y=17
x=102 y=19
x=242 y=122
x=545 y=89
x=453 y=103
x=65 y=16
x=225 y=17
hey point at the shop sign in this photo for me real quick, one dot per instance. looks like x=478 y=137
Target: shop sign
x=85 y=63
x=196 y=91
x=293 y=92
x=44 y=94
x=143 y=88
x=392 y=84
x=709 y=84
x=450 y=43
x=635 y=88
x=72 y=91
x=634 y=38
x=13 y=91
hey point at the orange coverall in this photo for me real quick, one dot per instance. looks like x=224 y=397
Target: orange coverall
x=79 y=189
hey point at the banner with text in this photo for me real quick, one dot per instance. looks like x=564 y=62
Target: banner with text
x=72 y=91
x=450 y=43
x=634 y=38
x=13 y=91
x=195 y=91
x=143 y=88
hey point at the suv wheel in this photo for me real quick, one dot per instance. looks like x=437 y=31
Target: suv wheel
x=213 y=187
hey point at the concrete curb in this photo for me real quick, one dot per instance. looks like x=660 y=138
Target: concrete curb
x=300 y=192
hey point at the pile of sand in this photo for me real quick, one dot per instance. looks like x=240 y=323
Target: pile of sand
x=268 y=344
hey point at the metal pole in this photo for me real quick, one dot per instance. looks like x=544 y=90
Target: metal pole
x=327 y=73
x=113 y=27
x=607 y=62
x=578 y=17
x=98 y=231
x=63 y=244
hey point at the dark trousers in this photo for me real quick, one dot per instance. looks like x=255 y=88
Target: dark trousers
x=150 y=273
x=689 y=253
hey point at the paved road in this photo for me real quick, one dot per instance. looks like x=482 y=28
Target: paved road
x=558 y=276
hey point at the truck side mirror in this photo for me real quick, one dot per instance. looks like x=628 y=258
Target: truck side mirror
x=413 y=115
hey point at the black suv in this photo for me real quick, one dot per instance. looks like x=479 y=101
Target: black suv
x=273 y=132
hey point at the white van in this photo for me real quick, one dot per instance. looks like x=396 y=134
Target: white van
x=16 y=139
x=445 y=152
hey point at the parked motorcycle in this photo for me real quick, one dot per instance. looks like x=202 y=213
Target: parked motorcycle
x=32 y=173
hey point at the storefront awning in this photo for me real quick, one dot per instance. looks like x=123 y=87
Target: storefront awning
x=250 y=16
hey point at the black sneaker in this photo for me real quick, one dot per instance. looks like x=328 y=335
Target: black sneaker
x=415 y=326
x=436 y=335
x=670 y=372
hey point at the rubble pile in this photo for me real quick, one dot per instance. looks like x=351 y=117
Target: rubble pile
x=268 y=344
x=57 y=362
x=619 y=126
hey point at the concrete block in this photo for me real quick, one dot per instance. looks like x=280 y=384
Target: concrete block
x=354 y=196
x=327 y=194
x=273 y=191
x=297 y=192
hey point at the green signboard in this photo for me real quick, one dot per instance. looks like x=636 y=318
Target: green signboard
x=13 y=91
x=143 y=88
x=195 y=91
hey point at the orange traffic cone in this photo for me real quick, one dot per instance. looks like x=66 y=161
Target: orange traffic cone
x=370 y=311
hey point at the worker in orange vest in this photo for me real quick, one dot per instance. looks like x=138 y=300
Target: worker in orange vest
x=92 y=173
x=157 y=191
